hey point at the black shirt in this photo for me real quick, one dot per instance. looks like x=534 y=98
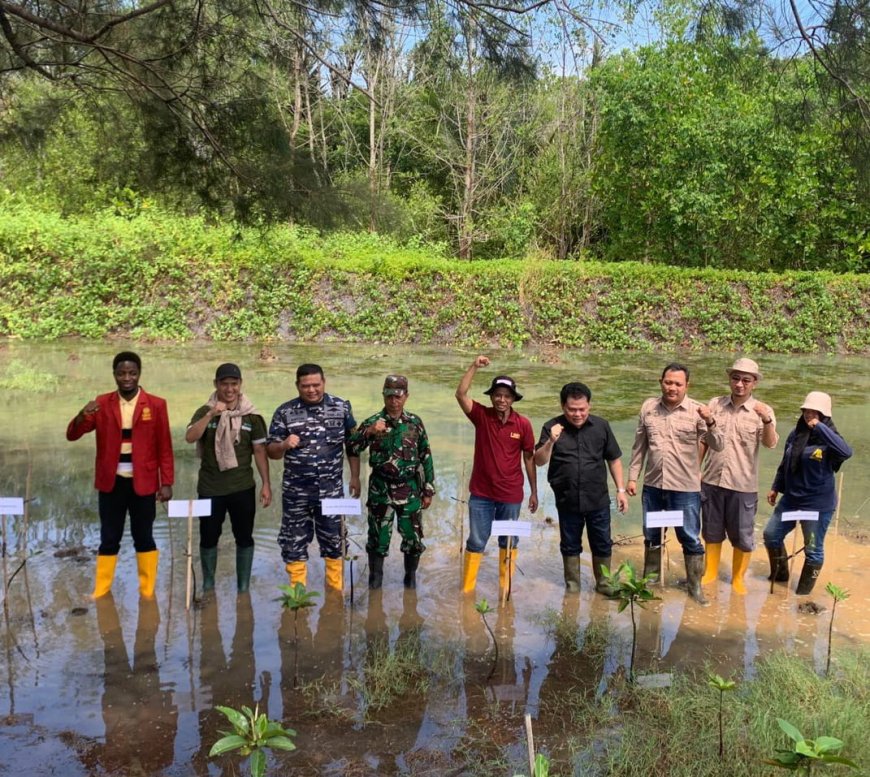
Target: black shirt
x=578 y=463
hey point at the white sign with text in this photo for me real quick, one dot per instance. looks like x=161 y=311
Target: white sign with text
x=341 y=506
x=183 y=508
x=661 y=519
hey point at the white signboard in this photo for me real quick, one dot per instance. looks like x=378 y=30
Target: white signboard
x=661 y=519
x=11 y=505
x=181 y=508
x=341 y=506
x=512 y=528
x=800 y=515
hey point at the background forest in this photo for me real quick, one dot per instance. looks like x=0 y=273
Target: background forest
x=736 y=137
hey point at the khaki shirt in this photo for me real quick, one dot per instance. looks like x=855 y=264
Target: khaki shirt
x=736 y=465
x=669 y=441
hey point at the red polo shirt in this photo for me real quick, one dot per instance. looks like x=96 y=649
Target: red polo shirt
x=498 y=469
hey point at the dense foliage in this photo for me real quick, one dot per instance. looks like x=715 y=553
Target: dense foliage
x=451 y=125
x=170 y=277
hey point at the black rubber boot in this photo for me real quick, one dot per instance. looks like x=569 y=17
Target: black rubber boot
x=652 y=564
x=376 y=571
x=602 y=585
x=411 y=564
x=208 y=559
x=244 y=562
x=778 y=564
x=809 y=575
x=694 y=572
x=571 y=566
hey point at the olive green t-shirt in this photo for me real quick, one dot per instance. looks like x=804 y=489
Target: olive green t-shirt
x=213 y=482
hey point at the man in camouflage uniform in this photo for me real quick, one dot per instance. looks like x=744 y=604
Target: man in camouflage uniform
x=402 y=479
x=310 y=433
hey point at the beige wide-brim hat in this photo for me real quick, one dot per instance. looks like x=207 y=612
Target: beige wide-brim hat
x=818 y=401
x=745 y=365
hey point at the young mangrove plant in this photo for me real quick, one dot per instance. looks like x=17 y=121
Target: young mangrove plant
x=721 y=685
x=295 y=597
x=632 y=591
x=484 y=609
x=839 y=595
x=542 y=767
x=252 y=734
x=807 y=753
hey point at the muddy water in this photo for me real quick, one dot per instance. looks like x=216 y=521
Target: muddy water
x=129 y=687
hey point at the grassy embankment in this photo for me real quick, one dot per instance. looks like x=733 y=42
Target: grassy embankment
x=159 y=277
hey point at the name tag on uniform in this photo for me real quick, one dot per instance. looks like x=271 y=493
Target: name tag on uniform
x=660 y=519
x=516 y=435
x=800 y=515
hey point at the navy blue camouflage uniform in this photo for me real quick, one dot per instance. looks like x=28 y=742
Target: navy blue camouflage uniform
x=312 y=472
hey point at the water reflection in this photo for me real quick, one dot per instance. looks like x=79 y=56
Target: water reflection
x=66 y=694
x=139 y=713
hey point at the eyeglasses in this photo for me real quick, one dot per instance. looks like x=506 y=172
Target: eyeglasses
x=742 y=379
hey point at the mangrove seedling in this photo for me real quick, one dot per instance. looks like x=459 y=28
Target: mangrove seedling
x=295 y=597
x=484 y=609
x=839 y=595
x=252 y=734
x=808 y=753
x=542 y=767
x=632 y=591
x=721 y=685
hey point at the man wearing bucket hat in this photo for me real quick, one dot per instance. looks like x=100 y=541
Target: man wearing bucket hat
x=402 y=480
x=814 y=452
x=502 y=439
x=229 y=434
x=729 y=483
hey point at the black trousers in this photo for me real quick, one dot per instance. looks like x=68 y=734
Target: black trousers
x=114 y=506
x=242 y=505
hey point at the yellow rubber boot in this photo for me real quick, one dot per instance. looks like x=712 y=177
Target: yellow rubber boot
x=105 y=574
x=147 y=563
x=469 y=571
x=334 y=573
x=713 y=554
x=298 y=571
x=739 y=565
x=503 y=566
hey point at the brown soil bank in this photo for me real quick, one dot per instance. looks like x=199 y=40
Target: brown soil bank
x=172 y=278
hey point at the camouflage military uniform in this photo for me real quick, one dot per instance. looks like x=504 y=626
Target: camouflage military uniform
x=312 y=471
x=402 y=472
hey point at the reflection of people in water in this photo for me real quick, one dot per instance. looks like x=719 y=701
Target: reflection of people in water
x=229 y=682
x=814 y=451
x=140 y=716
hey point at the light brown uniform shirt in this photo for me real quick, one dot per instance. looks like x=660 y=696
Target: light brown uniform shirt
x=736 y=465
x=669 y=441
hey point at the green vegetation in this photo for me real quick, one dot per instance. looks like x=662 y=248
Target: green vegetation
x=295 y=598
x=722 y=685
x=632 y=591
x=808 y=752
x=838 y=595
x=159 y=276
x=252 y=734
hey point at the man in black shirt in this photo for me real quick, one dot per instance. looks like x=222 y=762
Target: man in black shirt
x=577 y=446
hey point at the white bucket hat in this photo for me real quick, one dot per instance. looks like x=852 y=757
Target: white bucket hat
x=745 y=365
x=818 y=401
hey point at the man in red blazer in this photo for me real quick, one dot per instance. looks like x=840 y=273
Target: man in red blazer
x=134 y=468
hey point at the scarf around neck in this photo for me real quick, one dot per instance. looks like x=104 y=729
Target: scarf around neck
x=228 y=432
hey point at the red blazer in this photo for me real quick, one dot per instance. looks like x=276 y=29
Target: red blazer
x=153 y=462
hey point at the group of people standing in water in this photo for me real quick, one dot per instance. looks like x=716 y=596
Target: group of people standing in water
x=699 y=461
